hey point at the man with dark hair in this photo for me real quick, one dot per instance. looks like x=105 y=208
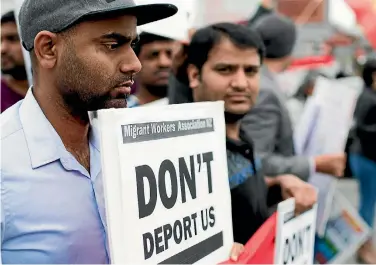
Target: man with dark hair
x=52 y=201
x=223 y=64
x=268 y=123
x=14 y=82
x=155 y=53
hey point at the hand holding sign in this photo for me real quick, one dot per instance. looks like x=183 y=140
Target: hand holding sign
x=331 y=164
x=305 y=194
x=236 y=250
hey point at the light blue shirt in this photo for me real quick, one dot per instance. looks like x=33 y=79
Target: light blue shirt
x=52 y=208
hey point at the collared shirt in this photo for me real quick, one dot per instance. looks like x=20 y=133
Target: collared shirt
x=52 y=208
x=133 y=102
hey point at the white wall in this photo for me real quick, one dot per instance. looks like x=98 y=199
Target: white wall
x=6 y=5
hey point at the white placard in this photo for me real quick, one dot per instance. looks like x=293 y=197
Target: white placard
x=344 y=234
x=166 y=185
x=295 y=234
x=323 y=129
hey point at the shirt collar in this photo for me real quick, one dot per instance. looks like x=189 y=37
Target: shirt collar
x=94 y=130
x=44 y=144
x=132 y=101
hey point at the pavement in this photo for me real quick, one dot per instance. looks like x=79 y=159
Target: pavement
x=349 y=187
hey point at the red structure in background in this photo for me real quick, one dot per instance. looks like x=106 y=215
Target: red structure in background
x=365 y=12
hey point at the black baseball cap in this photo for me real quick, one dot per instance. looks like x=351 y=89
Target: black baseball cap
x=59 y=15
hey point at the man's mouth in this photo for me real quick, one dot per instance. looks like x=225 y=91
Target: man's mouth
x=122 y=90
x=163 y=74
x=238 y=96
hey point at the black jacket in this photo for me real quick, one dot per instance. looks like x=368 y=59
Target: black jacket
x=365 y=125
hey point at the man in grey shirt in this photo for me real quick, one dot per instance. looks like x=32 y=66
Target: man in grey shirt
x=268 y=123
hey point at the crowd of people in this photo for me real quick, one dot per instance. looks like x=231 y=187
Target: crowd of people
x=51 y=189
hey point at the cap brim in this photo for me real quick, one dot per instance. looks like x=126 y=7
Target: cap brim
x=144 y=13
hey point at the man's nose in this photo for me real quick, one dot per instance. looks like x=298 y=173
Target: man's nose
x=4 y=47
x=130 y=63
x=240 y=81
x=164 y=61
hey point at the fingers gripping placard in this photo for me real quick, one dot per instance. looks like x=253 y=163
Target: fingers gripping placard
x=175 y=196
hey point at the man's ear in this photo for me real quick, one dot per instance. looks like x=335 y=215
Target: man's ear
x=374 y=78
x=45 y=49
x=193 y=76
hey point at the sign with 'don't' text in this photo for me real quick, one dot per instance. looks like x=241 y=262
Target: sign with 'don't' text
x=295 y=235
x=166 y=185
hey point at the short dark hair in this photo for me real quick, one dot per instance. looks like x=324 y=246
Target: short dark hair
x=204 y=40
x=368 y=70
x=146 y=38
x=8 y=17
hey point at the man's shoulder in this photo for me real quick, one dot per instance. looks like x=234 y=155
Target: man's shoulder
x=14 y=151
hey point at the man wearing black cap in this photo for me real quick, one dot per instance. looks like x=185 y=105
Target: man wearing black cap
x=268 y=123
x=52 y=205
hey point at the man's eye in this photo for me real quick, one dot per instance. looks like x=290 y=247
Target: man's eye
x=251 y=71
x=224 y=70
x=112 y=46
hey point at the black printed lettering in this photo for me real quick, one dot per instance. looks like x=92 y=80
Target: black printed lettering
x=178 y=232
x=187 y=227
x=145 y=173
x=148 y=242
x=168 y=166
x=158 y=240
x=208 y=158
x=194 y=217
x=167 y=234
x=297 y=245
x=211 y=216
x=189 y=177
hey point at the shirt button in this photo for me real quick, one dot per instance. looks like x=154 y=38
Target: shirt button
x=247 y=151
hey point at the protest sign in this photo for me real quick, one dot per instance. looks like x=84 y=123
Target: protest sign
x=295 y=234
x=344 y=234
x=323 y=129
x=165 y=183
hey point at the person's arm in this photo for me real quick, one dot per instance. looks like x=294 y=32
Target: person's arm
x=261 y=125
x=305 y=194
